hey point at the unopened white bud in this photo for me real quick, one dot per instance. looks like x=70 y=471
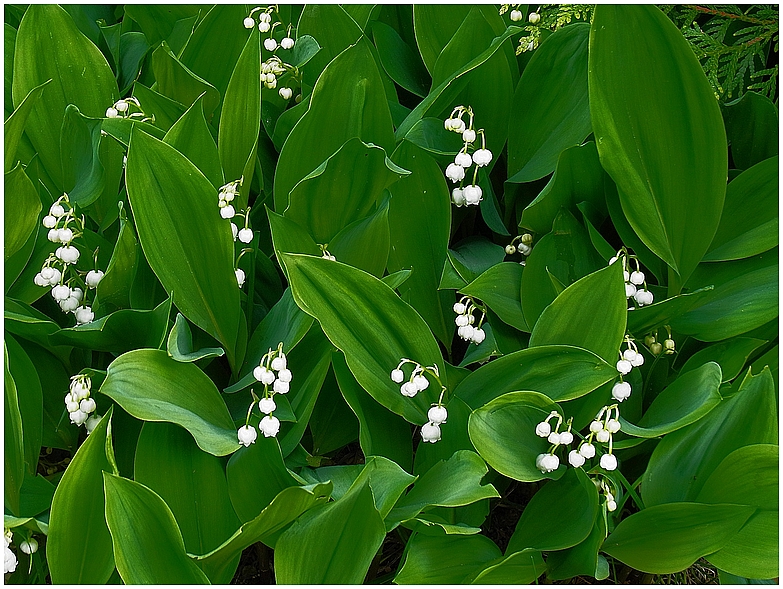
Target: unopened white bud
x=637 y=277
x=249 y=22
x=227 y=212
x=285 y=93
x=287 y=43
x=240 y=274
x=459 y=308
x=516 y=15
x=603 y=436
x=458 y=197
x=264 y=26
x=397 y=375
x=245 y=235
x=29 y=546
x=533 y=17
x=469 y=135
x=49 y=221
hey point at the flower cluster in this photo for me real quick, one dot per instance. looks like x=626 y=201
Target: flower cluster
x=325 y=253
x=602 y=432
x=630 y=358
x=465 y=320
x=274 y=361
x=226 y=196
x=417 y=382
x=456 y=172
x=656 y=348
x=524 y=247
x=124 y=109
x=10 y=557
x=549 y=461
x=611 y=504
x=80 y=404
x=635 y=283
x=274 y=68
x=58 y=271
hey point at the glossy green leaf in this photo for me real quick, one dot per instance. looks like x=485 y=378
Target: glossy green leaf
x=191 y=137
x=114 y=287
x=83 y=78
x=187 y=246
x=498 y=288
x=151 y=386
x=730 y=355
x=158 y=21
x=689 y=398
x=551 y=111
x=474 y=256
x=565 y=321
x=335 y=544
x=193 y=485
x=670 y=170
x=566 y=253
x=148 y=546
x=22 y=207
x=180 y=344
x=78 y=548
x=178 y=83
x=430 y=135
x=420 y=241
x=748 y=476
x=364 y=244
x=401 y=63
x=367 y=321
x=343 y=189
x=520 y=567
x=84 y=177
x=334 y=30
x=449 y=483
x=642 y=320
x=669 y=538
x=744 y=301
x=444 y=560
x=504 y=433
x=30 y=399
x=560 y=515
x=350 y=94
x=14 y=440
x=682 y=461
x=120 y=331
x=165 y=110
x=749 y=222
x=15 y=124
x=304 y=50
x=560 y=372
x=752 y=129
x=240 y=118
x=578 y=178
x=582 y=559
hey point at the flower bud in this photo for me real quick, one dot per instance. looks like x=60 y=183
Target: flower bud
x=459 y=308
x=437 y=414
x=533 y=18
x=267 y=405
x=227 y=212
x=249 y=22
x=264 y=26
x=92 y=422
x=240 y=274
x=611 y=505
x=596 y=426
x=397 y=375
x=510 y=249
x=516 y=15
x=603 y=436
x=234 y=230
x=668 y=345
x=469 y=136
x=285 y=93
x=247 y=435
x=93 y=278
x=637 y=278
x=553 y=438
x=430 y=432
x=656 y=349
x=245 y=235
x=575 y=459
x=29 y=546
x=608 y=462
x=458 y=197
x=630 y=290
x=279 y=362
x=270 y=44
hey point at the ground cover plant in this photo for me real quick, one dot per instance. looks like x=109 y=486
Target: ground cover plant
x=379 y=293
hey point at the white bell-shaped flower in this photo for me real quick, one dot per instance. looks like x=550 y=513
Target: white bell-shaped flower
x=575 y=459
x=10 y=560
x=621 y=391
x=516 y=15
x=478 y=335
x=87 y=405
x=458 y=197
x=49 y=221
x=611 y=505
x=613 y=426
x=630 y=290
x=247 y=435
x=270 y=44
x=596 y=426
x=603 y=436
x=553 y=438
x=93 y=278
x=397 y=375
x=284 y=375
x=466 y=332
x=608 y=462
x=279 y=362
x=638 y=360
x=227 y=212
x=285 y=93
x=587 y=450
x=92 y=422
x=463 y=159
x=461 y=320
x=421 y=382
x=234 y=230
x=543 y=429
x=267 y=405
x=637 y=277
x=549 y=463
x=249 y=22
x=269 y=426
x=629 y=355
x=624 y=366
x=264 y=26
x=83 y=315
x=281 y=387
x=533 y=17
x=286 y=43
x=481 y=157
x=111 y=113
x=437 y=414
x=430 y=432
x=455 y=173
x=78 y=417
x=245 y=235
x=65 y=235
x=472 y=193
x=409 y=389
x=566 y=438
x=53 y=235
x=69 y=254
x=468 y=136
x=240 y=274
x=459 y=308
x=39 y=280
x=70 y=304
x=56 y=210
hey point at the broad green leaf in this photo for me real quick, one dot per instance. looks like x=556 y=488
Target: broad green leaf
x=158 y=21
x=475 y=255
x=601 y=331
x=36 y=495
x=30 y=399
x=520 y=567
x=180 y=343
x=560 y=372
x=84 y=177
x=114 y=287
x=28 y=322
x=16 y=264
x=334 y=30
x=256 y=475
x=364 y=244
x=748 y=476
x=566 y=253
x=444 y=560
x=332 y=423
x=304 y=50
x=49 y=46
x=402 y=63
x=670 y=170
x=78 y=547
x=133 y=50
x=240 y=118
x=381 y=432
x=578 y=178
x=669 y=538
x=366 y=320
x=689 y=398
x=22 y=207
x=334 y=544
x=441 y=144
x=191 y=137
x=347 y=187
x=120 y=331
x=15 y=124
x=743 y=299
x=349 y=93
x=151 y=386
x=642 y=320
x=148 y=547
x=188 y=245
x=682 y=461
x=582 y=559
x=498 y=288
x=14 y=440
x=560 y=515
x=749 y=222
x=420 y=241
x=165 y=110
x=178 y=83
x=730 y=355
x=504 y=433
x=193 y=485
x=449 y=483
x=752 y=129
x=286 y=507
x=550 y=105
